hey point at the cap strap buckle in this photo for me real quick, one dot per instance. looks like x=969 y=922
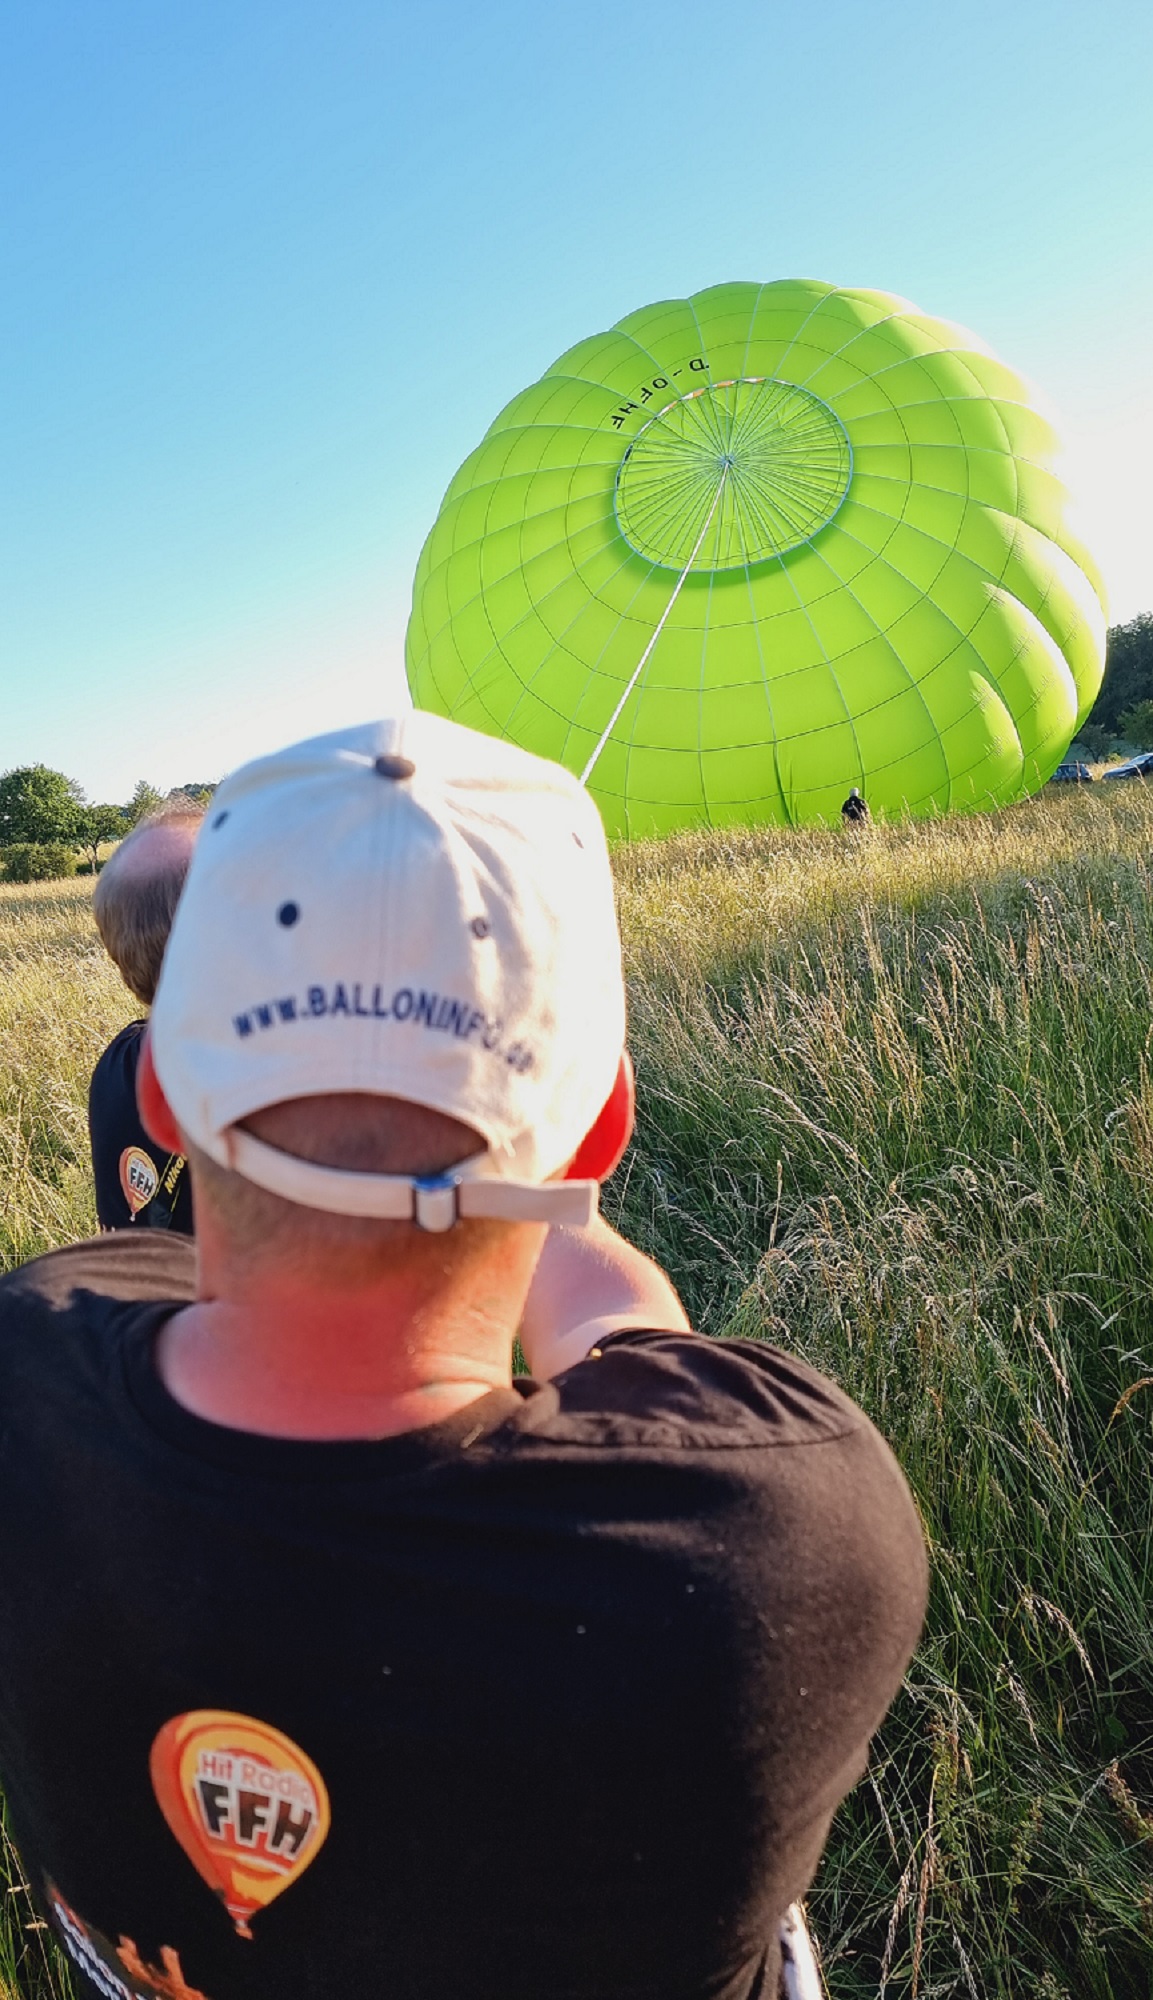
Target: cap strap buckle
x=436 y=1202
x=433 y=1201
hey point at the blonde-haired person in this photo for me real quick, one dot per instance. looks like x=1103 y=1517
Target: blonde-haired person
x=138 y=1183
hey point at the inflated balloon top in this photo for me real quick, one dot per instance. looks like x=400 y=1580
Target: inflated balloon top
x=750 y=549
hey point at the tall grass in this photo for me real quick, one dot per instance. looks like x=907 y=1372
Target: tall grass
x=897 y=1114
x=896 y=1097
x=32 y=1967
x=60 y=1003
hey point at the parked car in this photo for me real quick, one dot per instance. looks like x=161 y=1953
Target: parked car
x=1133 y=767
x=1072 y=774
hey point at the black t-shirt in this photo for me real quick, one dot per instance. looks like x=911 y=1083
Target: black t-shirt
x=550 y=1701
x=135 y=1181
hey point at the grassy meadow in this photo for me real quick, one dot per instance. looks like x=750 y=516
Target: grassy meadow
x=896 y=1091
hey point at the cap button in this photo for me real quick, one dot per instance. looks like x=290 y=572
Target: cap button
x=389 y=766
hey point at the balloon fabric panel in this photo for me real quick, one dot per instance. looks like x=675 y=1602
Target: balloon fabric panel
x=813 y=538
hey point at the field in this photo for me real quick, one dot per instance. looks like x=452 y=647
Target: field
x=896 y=1096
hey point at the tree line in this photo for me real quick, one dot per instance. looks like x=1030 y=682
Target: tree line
x=46 y=821
x=1123 y=711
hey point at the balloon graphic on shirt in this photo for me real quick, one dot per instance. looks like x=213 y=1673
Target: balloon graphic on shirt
x=248 y=1807
x=749 y=549
x=139 y=1178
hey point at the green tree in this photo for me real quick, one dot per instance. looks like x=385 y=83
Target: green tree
x=1128 y=671
x=145 y=799
x=38 y=806
x=1094 y=740
x=1136 y=725
x=197 y=793
x=96 y=824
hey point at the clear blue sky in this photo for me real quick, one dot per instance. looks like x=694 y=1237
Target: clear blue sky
x=269 y=267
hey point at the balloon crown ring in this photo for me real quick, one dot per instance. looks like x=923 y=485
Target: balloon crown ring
x=749 y=469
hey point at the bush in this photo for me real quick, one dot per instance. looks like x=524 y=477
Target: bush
x=44 y=862
x=1137 y=725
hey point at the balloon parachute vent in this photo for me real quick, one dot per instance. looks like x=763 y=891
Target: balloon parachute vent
x=788 y=460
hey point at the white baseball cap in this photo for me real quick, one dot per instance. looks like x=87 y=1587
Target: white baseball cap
x=408 y=909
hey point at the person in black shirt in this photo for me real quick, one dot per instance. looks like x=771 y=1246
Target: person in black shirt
x=134 y=903
x=334 y=1659
x=855 y=810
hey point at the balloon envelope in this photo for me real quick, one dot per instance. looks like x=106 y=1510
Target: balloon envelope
x=827 y=525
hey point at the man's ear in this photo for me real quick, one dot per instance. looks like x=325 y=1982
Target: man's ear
x=604 y=1146
x=155 y=1111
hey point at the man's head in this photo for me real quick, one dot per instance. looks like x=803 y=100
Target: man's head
x=413 y=924
x=137 y=892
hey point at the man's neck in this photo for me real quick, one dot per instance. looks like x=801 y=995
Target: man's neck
x=273 y=1355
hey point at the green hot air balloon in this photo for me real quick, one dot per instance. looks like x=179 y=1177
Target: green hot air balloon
x=749 y=549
